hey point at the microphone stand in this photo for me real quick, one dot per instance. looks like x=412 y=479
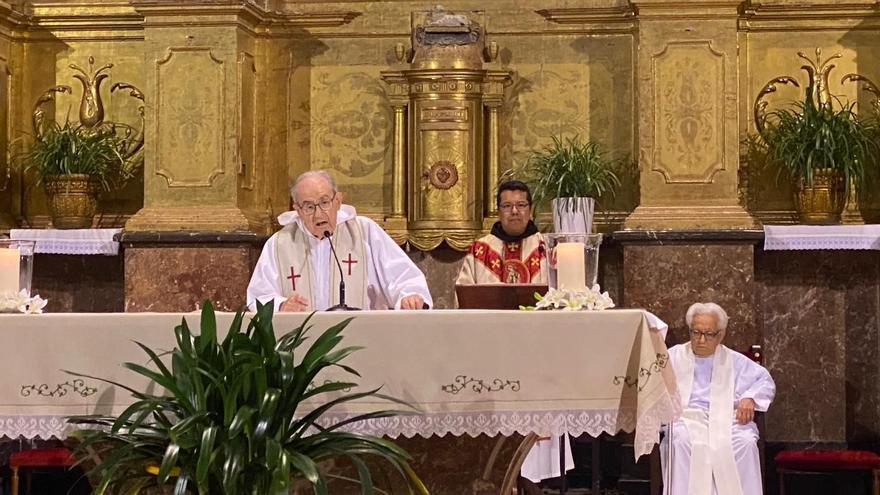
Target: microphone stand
x=341 y=306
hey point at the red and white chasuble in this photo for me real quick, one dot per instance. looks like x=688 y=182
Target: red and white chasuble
x=491 y=260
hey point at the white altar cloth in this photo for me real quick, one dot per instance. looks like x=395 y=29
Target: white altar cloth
x=71 y=241
x=806 y=237
x=466 y=372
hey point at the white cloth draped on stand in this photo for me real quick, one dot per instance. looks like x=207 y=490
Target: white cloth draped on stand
x=542 y=462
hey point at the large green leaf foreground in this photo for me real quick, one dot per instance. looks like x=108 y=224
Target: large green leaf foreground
x=230 y=421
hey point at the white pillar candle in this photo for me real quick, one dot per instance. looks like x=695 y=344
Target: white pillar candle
x=570 y=266
x=10 y=260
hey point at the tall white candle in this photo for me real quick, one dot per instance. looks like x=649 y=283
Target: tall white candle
x=10 y=260
x=570 y=266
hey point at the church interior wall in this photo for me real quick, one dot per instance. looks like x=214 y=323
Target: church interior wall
x=303 y=97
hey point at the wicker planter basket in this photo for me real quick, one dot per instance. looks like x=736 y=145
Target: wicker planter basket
x=824 y=200
x=73 y=200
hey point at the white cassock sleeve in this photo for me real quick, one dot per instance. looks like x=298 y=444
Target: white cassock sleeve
x=263 y=286
x=390 y=267
x=753 y=381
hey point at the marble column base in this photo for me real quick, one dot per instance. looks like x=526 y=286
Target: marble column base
x=177 y=271
x=666 y=272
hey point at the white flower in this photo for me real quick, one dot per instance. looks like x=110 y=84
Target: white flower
x=11 y=302
x=591 y=299
x=34 y=305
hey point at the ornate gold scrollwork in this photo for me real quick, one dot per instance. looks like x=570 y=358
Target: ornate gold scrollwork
x=39 y=115
x=91 y=108
x=818 y=72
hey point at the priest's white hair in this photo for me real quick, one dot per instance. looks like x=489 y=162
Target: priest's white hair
x=709 y=308
x=312 y=173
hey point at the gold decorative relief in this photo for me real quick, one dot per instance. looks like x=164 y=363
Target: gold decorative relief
x=345 y=124
x=190 y=147
x=688 y=78
x=349 y=119
x=247 y=96
x=443 y=174
x=544 y=103
x=444 y=155
x=445 y=93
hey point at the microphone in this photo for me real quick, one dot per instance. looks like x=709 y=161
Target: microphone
x=341 y=306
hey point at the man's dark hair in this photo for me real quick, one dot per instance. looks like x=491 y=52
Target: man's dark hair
x=513 y=185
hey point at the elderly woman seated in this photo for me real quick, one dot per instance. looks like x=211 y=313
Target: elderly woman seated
x=714 y=444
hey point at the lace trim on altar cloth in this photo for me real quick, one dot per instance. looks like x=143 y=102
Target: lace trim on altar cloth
x=810 y=237
x=648 y=431
x=73 y=241
x=476 y=423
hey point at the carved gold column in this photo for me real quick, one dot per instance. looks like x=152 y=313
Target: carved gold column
x=10 y=190
x=199 y=60
x=398 y=97
x=687 y=116
x=493 y=94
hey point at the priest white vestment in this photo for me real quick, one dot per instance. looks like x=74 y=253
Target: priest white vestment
x=377 y=273
x=711 y=452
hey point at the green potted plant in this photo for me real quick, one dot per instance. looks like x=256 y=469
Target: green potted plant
x=75 y=164
x=231 y=418
x=570 y=174
x=824 y=151
x=820 y=143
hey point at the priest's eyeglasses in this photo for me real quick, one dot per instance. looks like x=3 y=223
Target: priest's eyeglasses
x=509 y=206
x=323 y=203
x=707 y=335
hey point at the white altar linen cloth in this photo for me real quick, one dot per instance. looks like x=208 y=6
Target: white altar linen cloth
x=807 y=237
x=467 y=372
x=70 y=241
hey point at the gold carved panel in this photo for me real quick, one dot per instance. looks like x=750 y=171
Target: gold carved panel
x=247 y=144
x=688 y=80
x=348 y=130
x=190 y=145
x=443 y=176
x=546 y=102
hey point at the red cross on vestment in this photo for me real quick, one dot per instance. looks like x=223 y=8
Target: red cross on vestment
x=349 y=262
x=293 y=276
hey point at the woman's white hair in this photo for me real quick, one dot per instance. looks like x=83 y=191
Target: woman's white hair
x=312 y=173
x=709 y=308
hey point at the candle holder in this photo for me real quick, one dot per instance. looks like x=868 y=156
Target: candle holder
x=573 y=260
x=16 y=266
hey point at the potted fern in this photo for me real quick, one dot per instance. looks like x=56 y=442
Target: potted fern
x=824 y=149
x=231 y=418
x=75 y=164
x=570 y=174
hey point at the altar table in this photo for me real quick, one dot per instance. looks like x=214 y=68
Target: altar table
x=465 y=372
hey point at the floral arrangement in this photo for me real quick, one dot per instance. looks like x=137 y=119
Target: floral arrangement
x=567 y=300
x=22 y=302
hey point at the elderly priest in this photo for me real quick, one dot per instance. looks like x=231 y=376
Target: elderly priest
x=299 y=271
x=714 y=444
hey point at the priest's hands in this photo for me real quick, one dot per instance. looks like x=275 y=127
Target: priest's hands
x=745 y=411
x=295 y=302
x=413 y=301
